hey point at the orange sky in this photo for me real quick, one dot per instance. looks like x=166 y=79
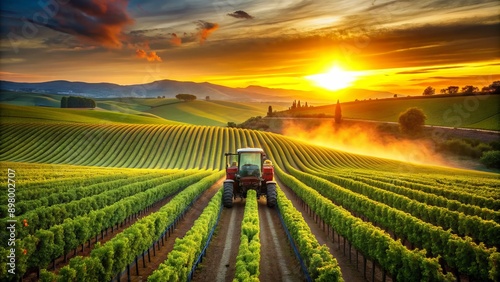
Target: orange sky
x=390 y=46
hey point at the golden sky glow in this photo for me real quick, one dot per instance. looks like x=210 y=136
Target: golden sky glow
x=394 y=46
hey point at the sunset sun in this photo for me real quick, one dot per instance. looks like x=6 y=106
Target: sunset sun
x=334 y=79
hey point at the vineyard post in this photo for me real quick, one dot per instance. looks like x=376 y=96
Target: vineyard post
x=137 y=265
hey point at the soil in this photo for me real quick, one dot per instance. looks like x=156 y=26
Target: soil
x=220 y=262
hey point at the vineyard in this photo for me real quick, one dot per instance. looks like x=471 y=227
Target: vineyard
x=96 y=202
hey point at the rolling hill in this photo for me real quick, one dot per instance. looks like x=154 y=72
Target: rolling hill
x=482 y=112
x=132 y=110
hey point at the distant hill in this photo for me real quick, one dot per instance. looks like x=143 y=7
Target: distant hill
x=170 y=88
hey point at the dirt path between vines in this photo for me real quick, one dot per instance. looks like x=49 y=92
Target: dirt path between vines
x=277 y=263
x=349 y=271
x=220 y=262
x=277 y=260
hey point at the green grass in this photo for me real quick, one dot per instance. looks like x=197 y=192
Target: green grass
x=30 y=99
x=481 y=112
x=200 y=112
x=212 y=113
x=14 y=113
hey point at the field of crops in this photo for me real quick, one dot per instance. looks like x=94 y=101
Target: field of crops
x=76 y=182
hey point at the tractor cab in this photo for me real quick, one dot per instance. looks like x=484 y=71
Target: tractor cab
x=249 y=169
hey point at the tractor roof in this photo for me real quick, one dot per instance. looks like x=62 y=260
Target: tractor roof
x=250 y=150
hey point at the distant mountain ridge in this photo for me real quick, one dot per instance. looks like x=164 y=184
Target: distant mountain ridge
x=170 y=88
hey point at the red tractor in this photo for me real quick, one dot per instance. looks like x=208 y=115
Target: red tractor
x=249 y=169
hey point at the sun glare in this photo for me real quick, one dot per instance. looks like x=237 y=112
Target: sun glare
x=336 y=78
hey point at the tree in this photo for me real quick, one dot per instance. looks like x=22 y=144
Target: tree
x=469 y=89
x=338 y=113
x=185 y=97
x=207 y=98
x=429 y=91
x=270 y=111
x=412 y=121
x=64 y=102
x=298 y=104
x=395 y=95
x=450 y=90
x=495 y=87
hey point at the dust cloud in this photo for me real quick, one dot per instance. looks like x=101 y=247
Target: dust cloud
x=364 y=140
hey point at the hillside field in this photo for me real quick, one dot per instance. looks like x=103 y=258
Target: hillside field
x=100 y=176
x=481 y=112
x=136 y=110
x=127 y=192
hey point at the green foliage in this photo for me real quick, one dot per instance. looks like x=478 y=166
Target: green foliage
x=491 y=159
x=248 y=259
x=256 y=123
x=77 y=102
x=321 y=264
x=412 y=121
x=186 y=97
x=181 y=259
x=114 y=255
x=463 y=147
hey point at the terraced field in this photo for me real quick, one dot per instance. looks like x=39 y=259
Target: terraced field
x=74 y=183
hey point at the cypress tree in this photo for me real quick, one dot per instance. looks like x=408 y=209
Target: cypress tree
x=338 y=113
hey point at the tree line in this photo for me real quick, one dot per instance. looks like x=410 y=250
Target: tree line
x=493 y=88
x=77 y=102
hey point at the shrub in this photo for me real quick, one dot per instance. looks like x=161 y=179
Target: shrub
x=491 y=159
x=460 y=147
x=412 y=121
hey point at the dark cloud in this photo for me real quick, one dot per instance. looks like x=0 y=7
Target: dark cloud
x=240 y=15
x=205 y=29
x=97 y=21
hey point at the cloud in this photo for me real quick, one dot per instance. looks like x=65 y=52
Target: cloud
x=240 y=15
x=98 y=21
x=427 y=70
x=175 y=40
x=151 y=56
x=205 y=29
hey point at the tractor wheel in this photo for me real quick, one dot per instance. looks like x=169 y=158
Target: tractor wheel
x=227 y=195
x=271 y=195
